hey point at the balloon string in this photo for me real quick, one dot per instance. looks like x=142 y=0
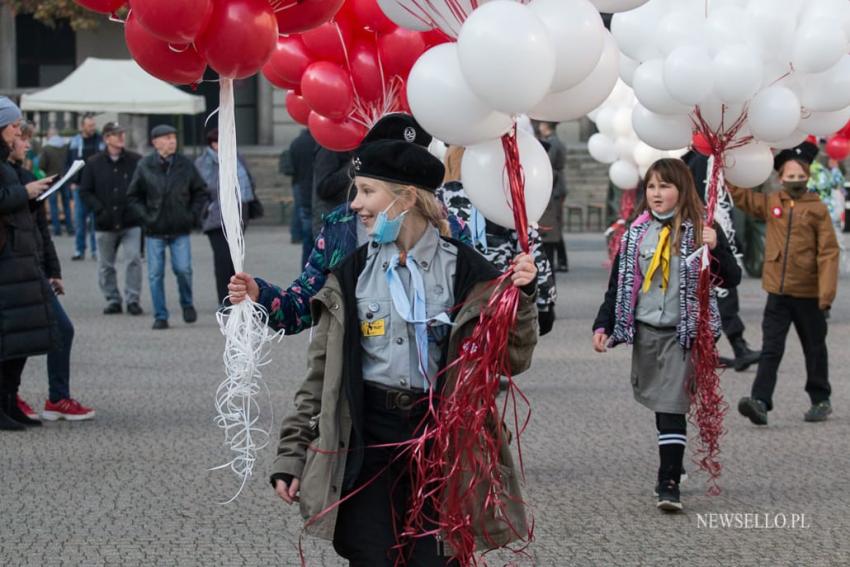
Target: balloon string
x=516 y=186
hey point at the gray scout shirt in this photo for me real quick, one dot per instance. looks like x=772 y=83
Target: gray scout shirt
x=658 y=307
x=390 y=355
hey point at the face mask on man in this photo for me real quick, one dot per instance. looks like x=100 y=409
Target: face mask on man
x=386 y=230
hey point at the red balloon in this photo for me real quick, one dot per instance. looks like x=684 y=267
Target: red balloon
x=288 y=62
x=845 y=132
x=327 y=88
x=338 y=136
x=297 y=108
x=328 y=42
x=701 y=145
x=239 y=37
x=435 y=37
x=399 y=50
x=369 y=15
x=102 y=6
x=365 y=73
x=173 y=21
x=304 y=15
x=838 y=148
x=276 y=80
x=159 y=59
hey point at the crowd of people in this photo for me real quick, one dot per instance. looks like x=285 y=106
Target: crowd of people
x=391 y=246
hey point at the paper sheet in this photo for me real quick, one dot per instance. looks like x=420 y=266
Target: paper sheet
x=75 y=167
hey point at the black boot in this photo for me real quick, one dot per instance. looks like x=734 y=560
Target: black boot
x=744 y=355
x=9 y=424
x=9 y=406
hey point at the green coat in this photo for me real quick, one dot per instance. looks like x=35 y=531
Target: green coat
x=323 y=417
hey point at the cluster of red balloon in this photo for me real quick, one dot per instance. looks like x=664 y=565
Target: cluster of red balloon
x=838 y=145
x=176 y=40
x=344 y=74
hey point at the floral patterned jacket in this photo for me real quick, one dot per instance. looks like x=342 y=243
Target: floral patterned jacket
x=289 y=308
x=502 y=243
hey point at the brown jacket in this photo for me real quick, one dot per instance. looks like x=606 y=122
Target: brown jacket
x=801 y=251
x=314 y=437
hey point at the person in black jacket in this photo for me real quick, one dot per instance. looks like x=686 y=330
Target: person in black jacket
x=168 y=195
x=301 y=155
x=332 y=183
x=60 y=404
x=27 y=326
x=103 y=188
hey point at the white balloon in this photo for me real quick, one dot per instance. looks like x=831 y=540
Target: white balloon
x=725 y=26
x=403 y=16
x=612 y=6
x=444 y=104
x=577 y=34
x=791 y=141
x=660 y=131
x=678 y=28
x=438 y=149
x=651 y=91
x=737 y=71
x=818 y=45
x=825 y=123
x=628 y=66
x=828 y=91
x=507 y=56
x=623 y=122
x=774 y=114
x=576 y=102
x=686 y=74
x=644 y=154
x=838 y=10
x=605 y=121
x=772 y=26
x=486 y=185
x=631 y=29
x=601 y=148
x=748 y=166
x=719 y=116
x=624 y=174
x=626 y=147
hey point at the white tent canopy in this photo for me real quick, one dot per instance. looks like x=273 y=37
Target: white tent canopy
x=113 y=85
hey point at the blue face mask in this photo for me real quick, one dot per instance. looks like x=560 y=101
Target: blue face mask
x=386 y=230
x=665 y=216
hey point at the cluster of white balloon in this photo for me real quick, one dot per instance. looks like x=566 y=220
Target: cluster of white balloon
x=552 y=60
x=783 y=65
x=617 y=144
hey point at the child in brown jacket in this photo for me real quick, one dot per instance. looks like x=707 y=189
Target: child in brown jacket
x=800 y=276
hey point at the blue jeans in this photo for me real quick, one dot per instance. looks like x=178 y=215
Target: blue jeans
x=64 y=194
x=181 y=264
x=85 y=223
x=59 y=360
x=305 y=218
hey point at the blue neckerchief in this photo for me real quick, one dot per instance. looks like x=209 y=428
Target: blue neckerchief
x=415 y=314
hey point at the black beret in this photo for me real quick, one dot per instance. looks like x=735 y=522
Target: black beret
x=162 y=130
x=398 y=126
x=805 y=152
x=399 y=162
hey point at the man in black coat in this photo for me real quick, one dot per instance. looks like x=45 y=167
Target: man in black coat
x=106 y=178
x=168 y=195
x=331 y=183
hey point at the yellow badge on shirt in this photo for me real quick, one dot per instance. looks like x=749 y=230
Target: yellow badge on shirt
x=372 y=328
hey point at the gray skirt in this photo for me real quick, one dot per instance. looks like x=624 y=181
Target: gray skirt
x=661 y=370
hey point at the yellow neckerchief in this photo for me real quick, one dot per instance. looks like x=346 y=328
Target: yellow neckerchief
x=660 y=259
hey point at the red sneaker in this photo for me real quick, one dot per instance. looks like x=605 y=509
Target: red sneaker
x=69 y=409
x=27 y=410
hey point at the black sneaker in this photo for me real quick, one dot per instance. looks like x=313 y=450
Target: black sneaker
x=134 y=309
x=668 y=497
x=189 y=314
x=683 y=477
x=746 y=359
x=112 y=309
x=160 y=324
x=77 y=257
x=754 y=409
x=818 y=412
x=723 y=362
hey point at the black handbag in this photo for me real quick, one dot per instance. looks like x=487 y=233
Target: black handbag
x=255 y=209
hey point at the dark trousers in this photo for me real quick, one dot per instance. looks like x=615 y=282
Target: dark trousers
x=59 y=360
x=730 y=321
x=810 y=323
x=305 y=218
x=672 y=440
x=10 y=375
x=367 y=523
x=222 y=264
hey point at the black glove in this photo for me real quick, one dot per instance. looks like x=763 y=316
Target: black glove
x=546 y=320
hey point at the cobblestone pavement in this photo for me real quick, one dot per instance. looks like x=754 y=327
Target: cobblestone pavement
x=133 y=486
